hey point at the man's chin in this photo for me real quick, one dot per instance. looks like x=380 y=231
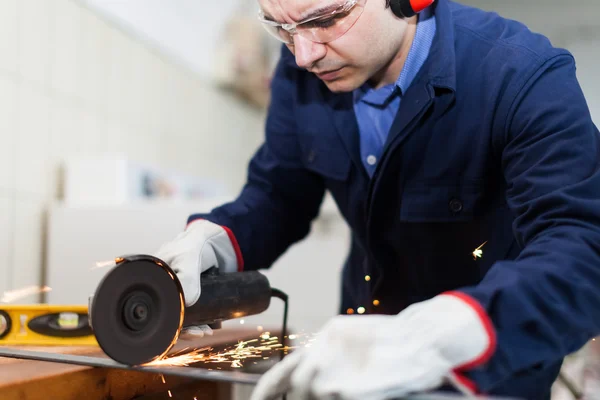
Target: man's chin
x=341 y=85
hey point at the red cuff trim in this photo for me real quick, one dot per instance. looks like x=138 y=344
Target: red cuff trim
x=488 y=326
x=236 y=247
x=234 y=242
x=465 y=382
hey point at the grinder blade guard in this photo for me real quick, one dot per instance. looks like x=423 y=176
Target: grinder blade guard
x=138 y=309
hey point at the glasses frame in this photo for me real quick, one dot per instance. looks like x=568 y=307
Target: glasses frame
x=292 y=29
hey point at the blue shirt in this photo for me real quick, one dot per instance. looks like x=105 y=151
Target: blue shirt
x=376 y=108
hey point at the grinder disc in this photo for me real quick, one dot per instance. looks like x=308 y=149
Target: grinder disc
x=137 y=311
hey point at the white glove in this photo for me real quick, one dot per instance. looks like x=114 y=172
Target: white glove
x=201 y=246
x=375 y=357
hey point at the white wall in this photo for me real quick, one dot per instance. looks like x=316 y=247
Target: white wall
x=71 y=83
x=189 y=30
x=574 y=25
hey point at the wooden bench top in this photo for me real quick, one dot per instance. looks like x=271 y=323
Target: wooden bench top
x=32 y=380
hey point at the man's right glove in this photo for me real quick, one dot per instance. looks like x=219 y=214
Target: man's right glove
x=201 y=246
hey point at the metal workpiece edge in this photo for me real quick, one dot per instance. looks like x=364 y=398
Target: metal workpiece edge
x=100 y=362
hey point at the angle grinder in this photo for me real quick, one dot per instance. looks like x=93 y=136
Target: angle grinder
x=138 y=309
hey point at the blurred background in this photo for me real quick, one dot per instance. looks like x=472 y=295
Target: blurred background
x=120 y=118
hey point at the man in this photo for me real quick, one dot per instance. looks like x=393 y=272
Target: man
x=460 y=150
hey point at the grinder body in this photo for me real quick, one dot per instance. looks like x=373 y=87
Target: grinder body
x=138 y=310
x=228 y=296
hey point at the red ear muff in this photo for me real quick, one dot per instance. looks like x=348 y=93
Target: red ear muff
x=408 y=8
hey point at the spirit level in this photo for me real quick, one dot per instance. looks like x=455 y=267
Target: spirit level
x=45 y=325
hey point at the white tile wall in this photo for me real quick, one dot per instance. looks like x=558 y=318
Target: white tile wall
x=27 y=243
x=8 y=36
x=93 y=46
x=35 y=20
x=71 y=83
x=32 y=140
x=65 y=59
x=6 y=240
x=8 y=126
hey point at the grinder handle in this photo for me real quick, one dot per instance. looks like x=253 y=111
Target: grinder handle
x=228 y=296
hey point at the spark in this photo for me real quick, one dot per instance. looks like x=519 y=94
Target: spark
x=170 y=395
x=265 y=336
x=478 y=252
x=13 y=295
x=234 y=355
x=181 y=359
x=107 y=263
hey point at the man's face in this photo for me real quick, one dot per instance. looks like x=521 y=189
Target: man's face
x=345 y=63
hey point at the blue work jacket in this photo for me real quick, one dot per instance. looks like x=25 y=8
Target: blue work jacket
x=493 y=143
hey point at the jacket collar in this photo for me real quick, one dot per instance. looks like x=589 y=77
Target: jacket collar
x=440 y=67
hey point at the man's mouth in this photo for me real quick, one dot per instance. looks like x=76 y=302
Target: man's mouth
x=329 y=75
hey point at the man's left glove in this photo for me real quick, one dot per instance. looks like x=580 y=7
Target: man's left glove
x=201 y=246
x=374 y=357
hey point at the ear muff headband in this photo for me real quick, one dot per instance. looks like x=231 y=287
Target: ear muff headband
x=408 y=8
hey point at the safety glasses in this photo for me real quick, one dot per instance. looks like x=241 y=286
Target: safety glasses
x=328 y=25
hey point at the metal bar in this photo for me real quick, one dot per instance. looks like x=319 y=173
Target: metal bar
x=100 y=362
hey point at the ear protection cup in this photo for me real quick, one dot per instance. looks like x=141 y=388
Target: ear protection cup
x=409 y=8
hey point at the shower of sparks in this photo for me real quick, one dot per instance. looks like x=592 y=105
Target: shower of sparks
x=478 y=252
x=13 y=295
x=234 y=355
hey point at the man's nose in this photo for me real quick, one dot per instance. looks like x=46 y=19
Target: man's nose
x=307 y=52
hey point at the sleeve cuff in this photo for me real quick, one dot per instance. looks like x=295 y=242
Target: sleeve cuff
x=465 y=383
x=236 y=248
x=458 y=376
x=487 y=324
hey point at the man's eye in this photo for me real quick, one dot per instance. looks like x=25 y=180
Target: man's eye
x=324 y=23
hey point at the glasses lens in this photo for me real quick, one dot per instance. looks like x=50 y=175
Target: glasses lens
x=331 y=26
x=278 y=33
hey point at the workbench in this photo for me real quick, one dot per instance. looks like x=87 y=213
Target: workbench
x=33 y=380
